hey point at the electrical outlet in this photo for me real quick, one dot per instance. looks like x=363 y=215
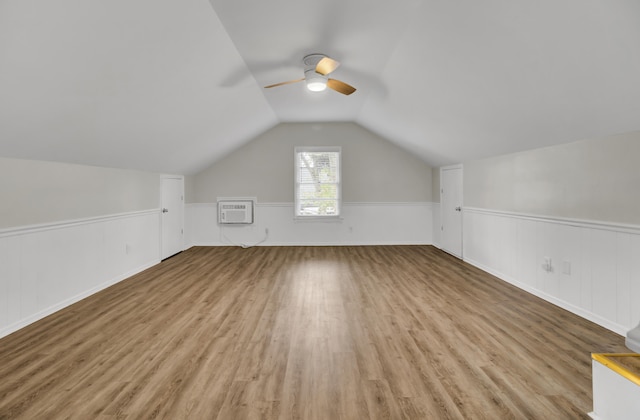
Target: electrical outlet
x=546 y=264
x=566 y=267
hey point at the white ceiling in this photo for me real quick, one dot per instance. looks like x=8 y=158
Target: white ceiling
x=173 y=85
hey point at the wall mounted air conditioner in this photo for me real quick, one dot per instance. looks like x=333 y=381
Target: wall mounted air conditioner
x=235 y=212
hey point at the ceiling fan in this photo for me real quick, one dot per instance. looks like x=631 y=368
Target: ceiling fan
x=317 y=68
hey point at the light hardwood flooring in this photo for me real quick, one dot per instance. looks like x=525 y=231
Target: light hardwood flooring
x=400 y=332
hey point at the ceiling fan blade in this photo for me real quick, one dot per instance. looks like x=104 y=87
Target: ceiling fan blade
x=326 y=65
x=341 y=87
x=284 y=83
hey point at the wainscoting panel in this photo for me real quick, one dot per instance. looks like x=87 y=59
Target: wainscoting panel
x=594 y=271
x=47 y=267
x=361 y=224
x=634 y=276
x=9 y=290
x=437 y=225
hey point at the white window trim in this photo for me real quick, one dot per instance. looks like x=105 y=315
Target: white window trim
x=317 y=218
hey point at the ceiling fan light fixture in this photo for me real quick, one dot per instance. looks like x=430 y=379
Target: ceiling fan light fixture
x=316 y=86
x=315 y=82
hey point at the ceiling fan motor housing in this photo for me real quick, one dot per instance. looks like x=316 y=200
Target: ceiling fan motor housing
x=311 y=61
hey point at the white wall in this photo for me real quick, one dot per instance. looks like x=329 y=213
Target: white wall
x=373 y=169
x=578 y=205
x=361 y=224
x=386 y=191
x=69 y=231
x=34 y=192
x=435 y=184
x=436 y=219
x=595 y=267
x=591 y=180
x=46 y=268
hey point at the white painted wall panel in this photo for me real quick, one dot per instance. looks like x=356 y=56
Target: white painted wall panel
x=472 y=237
x=506 y=238
x=114 y=248
x=603 y=273
x=547 y=280
x=501 y=235
x=623 y=279
x=526 y=254
x=562 y=244
x=604 y=280
x=29 y=275
x=586 y=275
x=437 y=223
x=47 y=267
x=9 y=287
x=361 y=224
x=634 y=294
x=14 y=272
x=5 y=274
x=53 y=266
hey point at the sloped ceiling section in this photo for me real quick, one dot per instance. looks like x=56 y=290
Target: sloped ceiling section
x=173 y=85
x=120 y=83
x=471 y=79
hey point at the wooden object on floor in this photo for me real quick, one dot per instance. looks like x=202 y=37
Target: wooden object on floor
x=305 y=332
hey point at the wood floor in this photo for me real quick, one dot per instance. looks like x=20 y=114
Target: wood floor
x=400 y=332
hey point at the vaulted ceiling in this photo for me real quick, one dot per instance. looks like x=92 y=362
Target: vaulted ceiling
x=174 y=85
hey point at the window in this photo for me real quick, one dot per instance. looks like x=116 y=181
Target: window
x=317 y=183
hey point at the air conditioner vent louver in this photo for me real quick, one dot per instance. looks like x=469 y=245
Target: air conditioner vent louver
x=235 y=212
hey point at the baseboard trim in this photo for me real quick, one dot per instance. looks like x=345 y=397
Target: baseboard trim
x=220 y=244
x=345 y=203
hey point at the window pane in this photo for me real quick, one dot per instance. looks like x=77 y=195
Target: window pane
x=318 y=167
x=318 y=207
x=307 y=191
x=305 y=175
x=318 y=182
